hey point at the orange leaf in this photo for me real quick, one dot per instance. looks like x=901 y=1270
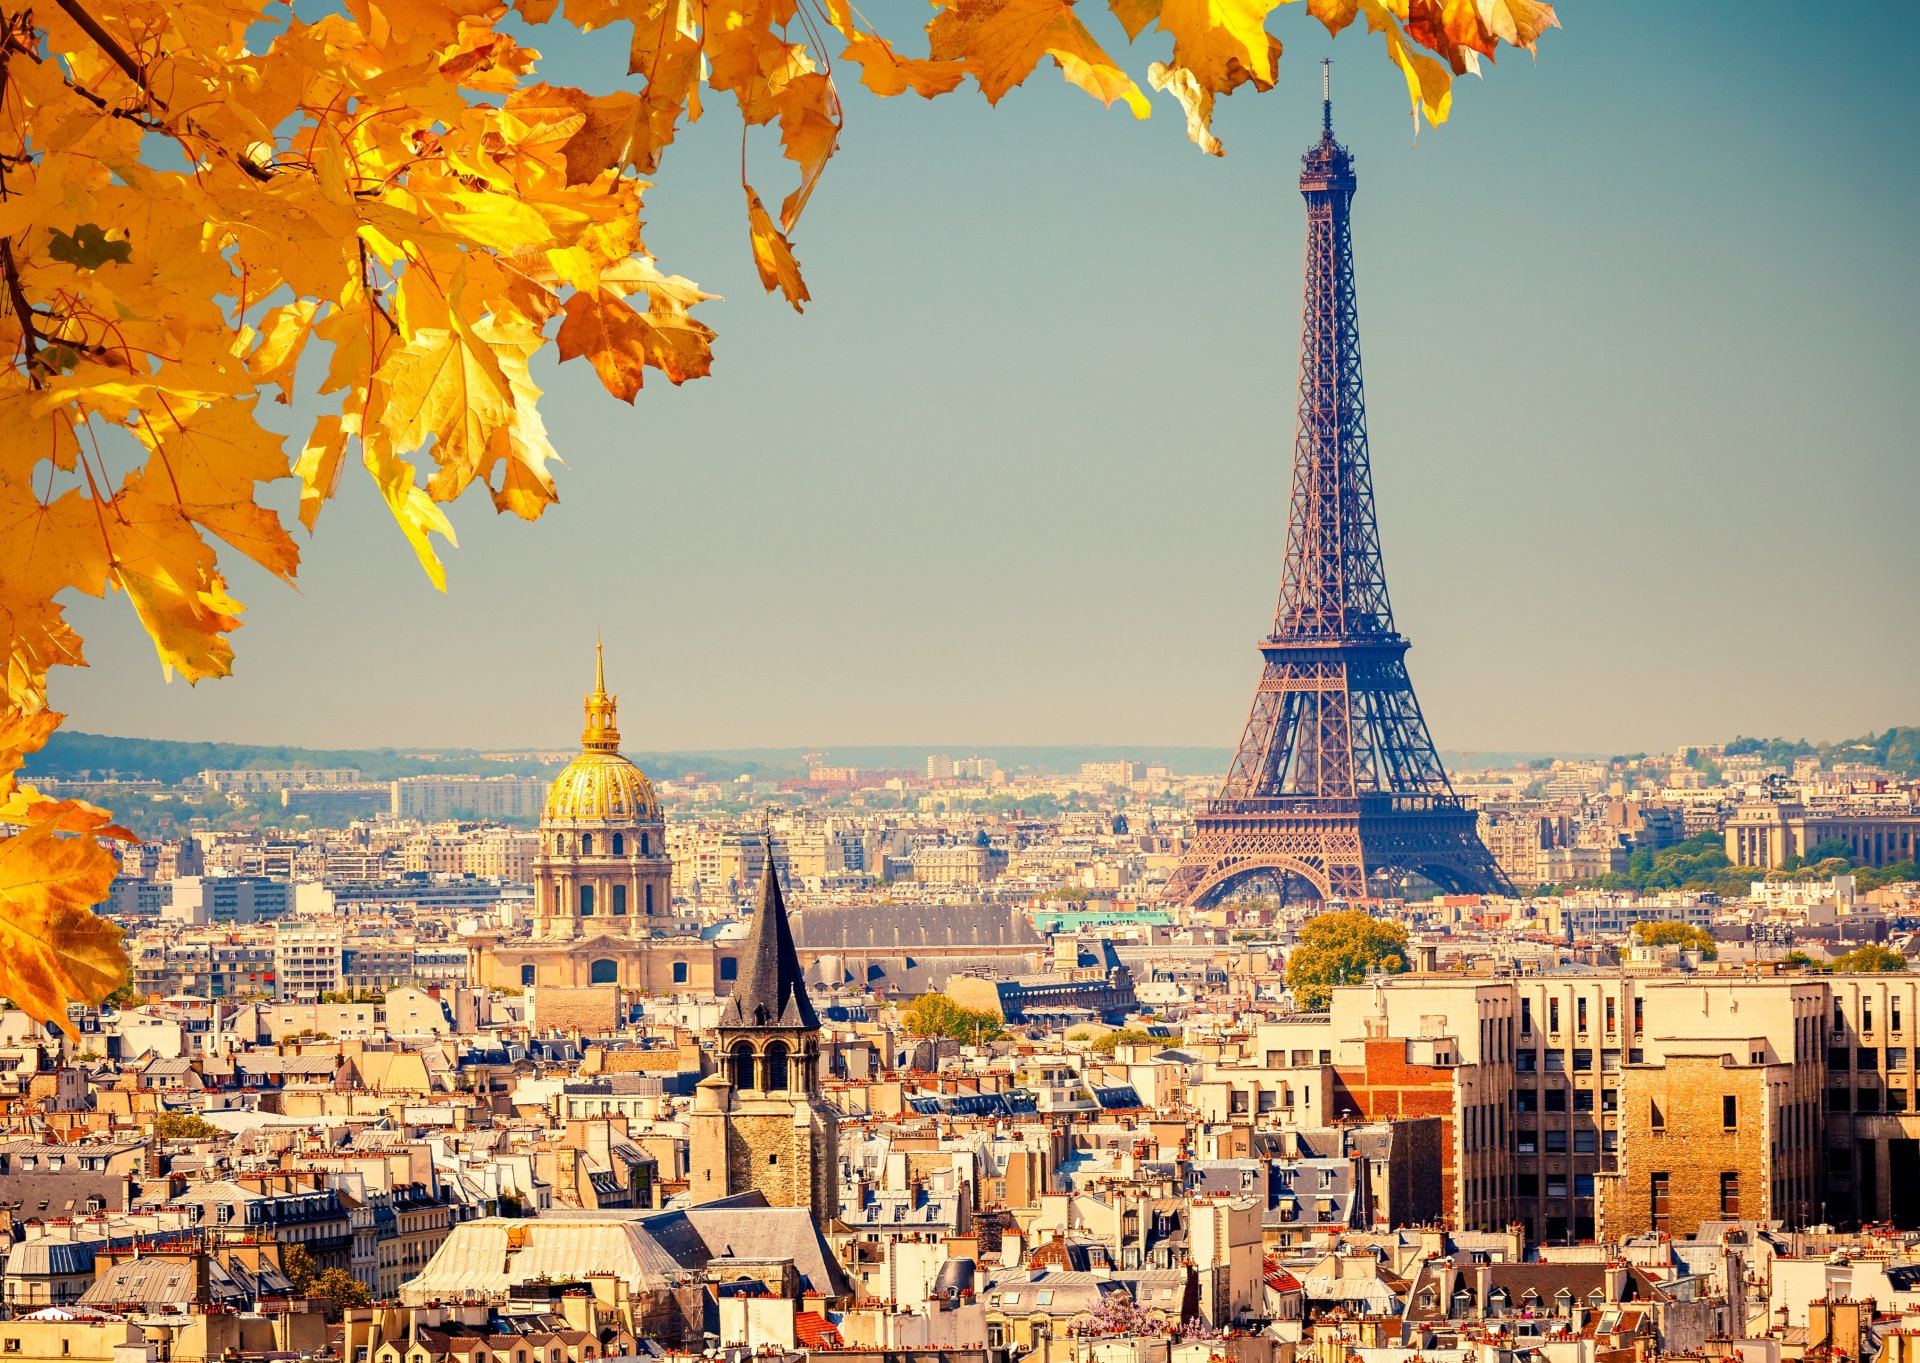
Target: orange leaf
x=53 y=949
x=621 y=342
x=773 y=255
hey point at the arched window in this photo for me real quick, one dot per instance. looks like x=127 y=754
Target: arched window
x=619 y=900
x=679 y=972
x=643 y=844
x=774 y=1078
x=740 y=1065
x=604 y=971
x=526 y=974
x=586 y=901
x=586 y=844
x=619 y=844
x=560 y=843
x=648 y=891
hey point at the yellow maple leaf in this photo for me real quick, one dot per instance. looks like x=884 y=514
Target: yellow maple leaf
x=1001 y=41
x=54 y=950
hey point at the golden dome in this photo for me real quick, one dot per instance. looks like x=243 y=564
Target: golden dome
x=600 y=784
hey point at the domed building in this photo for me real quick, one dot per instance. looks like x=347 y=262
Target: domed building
x=603 y=891
x=603 y=869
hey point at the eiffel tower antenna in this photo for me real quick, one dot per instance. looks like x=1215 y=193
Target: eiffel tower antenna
x=1336 y=782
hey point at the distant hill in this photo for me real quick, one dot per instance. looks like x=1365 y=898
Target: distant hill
x=69 y=754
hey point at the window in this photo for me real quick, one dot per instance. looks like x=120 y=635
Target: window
x=1839 y=1100
x=1729 y=1112
x=729 y=967
x=619 y=844
x=604 y=971
x=1839 y=1017
x=1580 y=1015
x=586 y=844
x=1867 y=1100
x=1556 y=1062
x=1526 y=1017
x=1897 y=1058
x=1730 y=1197
x=647 y=891
x=1523 y=1061
x=1583 y=1185
x=1658 y=1197
x=1839 y=1058
x=1556 y=1142
x=776 y=1067
x=1639 y=1018
x=1554 y=1100
x=586 y=901
x=1526 y=1100
x=679 y=972
x=1556 y=1185
x=1586 y=1142
x=1867 y=1058
x=619 y=900
x=740 y=1065
x=1526 y=1143
x=1583 y=1059
x=1655 y=1117
x=1583 y=1100
x=1609 y=1100
x=1526 y=1185
x=526 y=974
x=1611 y=1021
x=1893 y=1013
x=1553 y=1015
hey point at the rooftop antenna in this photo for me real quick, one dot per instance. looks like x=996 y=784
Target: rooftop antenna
x=1326 y=96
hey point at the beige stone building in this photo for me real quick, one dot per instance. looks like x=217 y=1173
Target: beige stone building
x=1765 y=834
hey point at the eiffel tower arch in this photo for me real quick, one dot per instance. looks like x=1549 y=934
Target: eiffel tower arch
x=1336 y=788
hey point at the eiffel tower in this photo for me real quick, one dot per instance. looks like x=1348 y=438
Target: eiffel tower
x=1336 y=784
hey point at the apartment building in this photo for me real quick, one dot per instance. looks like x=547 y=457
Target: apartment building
x=1872 y=1147
x=1557 y=1093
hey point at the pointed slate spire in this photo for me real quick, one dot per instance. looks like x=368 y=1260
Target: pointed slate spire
x=771 y=991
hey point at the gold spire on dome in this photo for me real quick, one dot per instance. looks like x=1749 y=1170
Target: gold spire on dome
x=602 y=732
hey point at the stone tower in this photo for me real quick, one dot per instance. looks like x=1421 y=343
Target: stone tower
x=760 y=1123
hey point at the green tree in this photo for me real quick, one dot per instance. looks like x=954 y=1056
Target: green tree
x=1342 y=948
x=1829 y=847
x=336 y=1287
x=1871 y=959
x=182 y=1126
x=938 y=1015
x=1113 y=1041
x=1686 y=936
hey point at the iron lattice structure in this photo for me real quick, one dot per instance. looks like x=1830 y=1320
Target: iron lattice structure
x=1336 y=780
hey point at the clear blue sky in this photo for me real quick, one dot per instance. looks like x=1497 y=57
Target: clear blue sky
x=1640 y=336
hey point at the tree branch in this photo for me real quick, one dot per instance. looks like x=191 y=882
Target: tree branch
x=110 y=45
x=17 y=297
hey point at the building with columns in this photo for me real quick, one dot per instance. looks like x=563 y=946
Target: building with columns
x=603 y=883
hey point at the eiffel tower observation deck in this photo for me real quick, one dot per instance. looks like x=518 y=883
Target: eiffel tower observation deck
x=1336 y=791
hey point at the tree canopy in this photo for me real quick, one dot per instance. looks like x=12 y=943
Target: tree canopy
x=1686 y=936
x=216 y=215
x=1871 y=959
x=938 y=1015
x=1342 y=948
x=182 y=1126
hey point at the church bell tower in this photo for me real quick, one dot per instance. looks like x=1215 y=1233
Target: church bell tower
x=759 y=1122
